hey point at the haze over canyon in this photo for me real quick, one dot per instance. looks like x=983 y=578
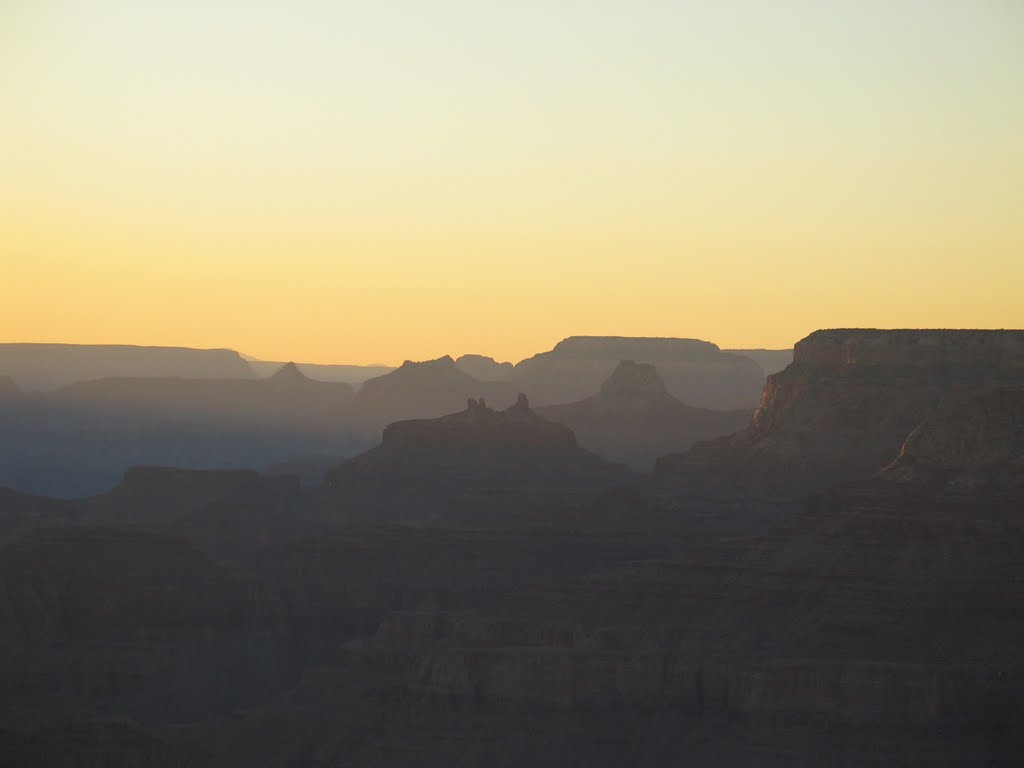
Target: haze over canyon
x=622 y=551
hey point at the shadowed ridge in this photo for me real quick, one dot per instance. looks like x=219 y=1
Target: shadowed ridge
x=485 y=368
x=633 y=418
x=697 y=372
x=156 y=483
x=844 y=407
x=521 y=407
x=155 y=495
x=917 y=346
x=289 y=373
x=977 y=443
x=421 y=390
x=631 y=379
x=478 y=447
x=433 y=373
x=50 y=366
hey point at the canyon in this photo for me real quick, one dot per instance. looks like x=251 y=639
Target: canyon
x=836 y=583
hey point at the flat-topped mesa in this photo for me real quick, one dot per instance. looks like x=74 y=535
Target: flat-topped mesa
x=49 y=366
x=641 y=347
x=697 y=372
x=869 y=346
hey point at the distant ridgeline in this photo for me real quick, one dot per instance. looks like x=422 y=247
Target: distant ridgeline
x=49 y=366
x=77 y=416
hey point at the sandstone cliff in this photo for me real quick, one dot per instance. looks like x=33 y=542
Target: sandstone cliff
x=851 y=397
x=976 y=443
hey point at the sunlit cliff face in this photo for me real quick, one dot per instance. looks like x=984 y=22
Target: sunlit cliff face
x=374 y=182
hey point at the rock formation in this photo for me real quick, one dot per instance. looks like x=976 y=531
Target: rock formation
x=696 y=372
x=484 y=368
x=849 y=400
x=876 y=624
x=971 y=445
x=420 y=390
x=224 y=618
x=633 y=419
x=49 y=366
x=287 y=397
x=348 y=374
x=478 y=448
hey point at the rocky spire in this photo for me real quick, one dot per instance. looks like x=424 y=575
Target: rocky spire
x=631 y=379
x=288 y=373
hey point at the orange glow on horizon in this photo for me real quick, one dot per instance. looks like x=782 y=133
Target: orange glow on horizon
x=340 y=186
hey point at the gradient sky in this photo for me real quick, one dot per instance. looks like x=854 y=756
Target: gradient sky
x=373 y=181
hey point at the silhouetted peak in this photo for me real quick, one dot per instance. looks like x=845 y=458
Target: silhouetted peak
x=289 y=373
x=630 y=379
x=476 y=406
x=478 y=359
x=520 y=406
x=429 y=373
x=480 y=415
x=484 y=368
x=440 y=363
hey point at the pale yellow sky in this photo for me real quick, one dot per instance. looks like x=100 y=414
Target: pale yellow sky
x=375 y=181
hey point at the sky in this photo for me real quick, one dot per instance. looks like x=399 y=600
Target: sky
x=361 y=182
